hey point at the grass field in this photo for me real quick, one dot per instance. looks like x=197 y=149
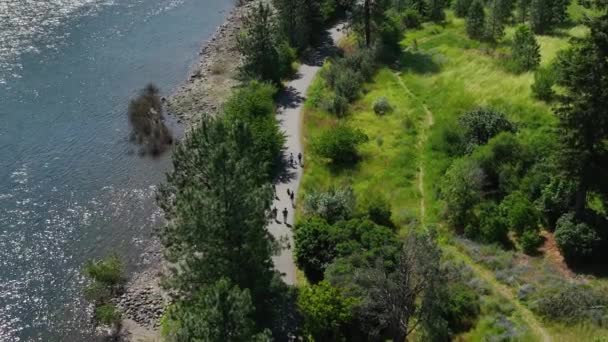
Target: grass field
x=441 y=75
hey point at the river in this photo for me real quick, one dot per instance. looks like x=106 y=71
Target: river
x=71 y=185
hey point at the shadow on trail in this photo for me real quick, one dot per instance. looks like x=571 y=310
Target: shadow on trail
x=290 y=98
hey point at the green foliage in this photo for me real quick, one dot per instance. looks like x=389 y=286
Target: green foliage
x=381 y=106
x=530 y=240
x=556 y=199
x=339 y=144
x=315 y=245
x=475 y=20
x=462 y=308
x=377 y=209
x=583 y=125
x=546 y=14
x=253 y=105
x=391 y=34
x=146 y=119
x=347 y=84
x=480 y=125
x=499 y=14
x=336 y=104
x=107 y=314
x=577 y=240
x=287 y=56
x=326 y=310
x=523 y=10
x=519 y=213
x=435 y=10
x=216 y=201
x=525 y=50
x=107 y=272
x=299 y=20
x=542 y=88
x=258 y=46
x=97 y=292
x=332 y=205
x=461 y=7
x=411 y=19
x=218 y=312
x=488 y=225
x=573 y=303
x=462 y=191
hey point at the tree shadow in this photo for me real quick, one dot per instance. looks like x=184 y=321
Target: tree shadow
x=418 y=62
x=290 y=98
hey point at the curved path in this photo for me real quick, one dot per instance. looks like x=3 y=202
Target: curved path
x=289 y=116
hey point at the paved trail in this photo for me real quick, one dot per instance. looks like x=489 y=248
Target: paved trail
x=290 y=119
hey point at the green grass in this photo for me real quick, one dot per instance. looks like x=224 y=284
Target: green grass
x=445 y=73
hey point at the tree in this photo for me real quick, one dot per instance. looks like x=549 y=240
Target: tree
x=218 y=312
x=462 y=191
x=475 y=20
x=500 y=11
x=583 y=123
x=435 y=10
x=576 y=240
x=540 y=15
x=461 y=7
x=299 y=20
x=147 y=121
x=519 y=213
x=339 y=144
x=257 y=45
x=326 y=311
x=215 y=201
x=525 y=50
x=481 y=124
x=544 y=79
x=396 y=303
x=523 y=10
x=315 y=247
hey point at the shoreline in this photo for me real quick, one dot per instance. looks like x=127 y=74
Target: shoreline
x=207 y=86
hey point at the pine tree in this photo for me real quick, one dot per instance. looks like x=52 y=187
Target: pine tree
x=500 y=12
x=420 y=6
x=523 y=10
x=582 y=112
x=299 y=21
x=540 y=16
x=525 y=50
x=257 y=45
x=435 y=9
x=475 y=20
x=215 y=202
x=461 y=7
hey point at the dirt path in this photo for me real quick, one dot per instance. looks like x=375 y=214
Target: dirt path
x=289 y=117
x=481 y=272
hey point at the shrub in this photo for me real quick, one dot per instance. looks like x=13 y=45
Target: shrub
x=286 y=56
x=491 y=227
x=461 y=190
x=362 y=61
x=411 y=19
x=336 y=104
x=481 y=124
x=572 y=303
x=576 y=240
x=525 y=50
x=519 y=213
x=390 y=34
x=377 y=209
x=339 y=144
x=147 y=121
x=461 y=7
x=530 y=240
x=347 y=85
x=556 y=198
x=314 y=247
x=382 y=106
x=475 y=20
x=107 y=314
x=332 y=205
x=462 y=309
x=255 y=99
x=108 y=272
x=542 y=88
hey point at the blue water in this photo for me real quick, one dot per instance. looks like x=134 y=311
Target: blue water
x=71 y=186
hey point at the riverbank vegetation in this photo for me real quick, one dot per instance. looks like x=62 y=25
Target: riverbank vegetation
x=452 y=186
x=147 y=122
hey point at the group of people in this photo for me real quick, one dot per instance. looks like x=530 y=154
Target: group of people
x=290 y=193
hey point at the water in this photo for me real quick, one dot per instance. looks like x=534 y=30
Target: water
x=71 y=187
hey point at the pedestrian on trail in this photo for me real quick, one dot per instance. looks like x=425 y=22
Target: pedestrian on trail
x=291 y=196
x=285 y=215
x=300 y=158
x=274 y=213
x=288 y=192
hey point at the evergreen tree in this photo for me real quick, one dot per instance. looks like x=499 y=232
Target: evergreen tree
x=216 y=313
x=436 y=12
x=420 y=6
x=257 y=45
x=500 y=11
x=299 y=21
x=523 y=10
x=461 y=7
x=525 y=50
x=540 y=15
x=215 y=202
x=475 y=20
x=582 y=112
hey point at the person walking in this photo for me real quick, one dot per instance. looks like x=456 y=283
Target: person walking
x=291 y=197
x=300 y=158
x=288 y=192
x=285 y=215
x=274 y=213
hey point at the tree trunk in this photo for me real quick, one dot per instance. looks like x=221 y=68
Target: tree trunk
x=368 y=29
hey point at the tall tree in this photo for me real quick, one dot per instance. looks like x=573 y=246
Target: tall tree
x=215 y=313
x=523 y=10
x=436 y=12
x=540 y=15
x=583 y=111
x=475 y=20
x=299 y=21
x=257 y=44
x=215 y=202
x=525 y=50
x=461 y=7
x=398 y=302
x=500 y=11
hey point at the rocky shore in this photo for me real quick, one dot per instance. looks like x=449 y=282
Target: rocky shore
x=208 y=86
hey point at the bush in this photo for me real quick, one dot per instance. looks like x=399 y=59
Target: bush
x=411 y=19
x=382 y=106
x=572 y=303
x=530 y=240
x=576 y=240
x=490 y=227
x=481 y=124
x=556 y=198
x=519 y=213
x=461 y=7
x=347 y=85
x=314 y=247
x=107 y=314
x=390 y=37
x=542 y=88
x=332 y=205
x=108 y=271
x=525 y=50
x=339 y=144
x=378 y=210
x=147 y=121
x=287 y=56
x=462 y=309
x=461 y=190
x=336 y=104
x=254 y=99
x=362 y=62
